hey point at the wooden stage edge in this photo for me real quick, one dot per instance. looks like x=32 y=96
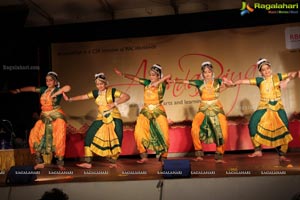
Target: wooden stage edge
x=238 y=164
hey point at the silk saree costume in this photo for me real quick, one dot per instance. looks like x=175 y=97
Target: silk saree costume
x=269 y=123
x=209 y=124
x=152 y=128
x=104 y=137
x=48 y=136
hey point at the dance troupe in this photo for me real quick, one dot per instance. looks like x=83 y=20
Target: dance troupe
x=268 y=125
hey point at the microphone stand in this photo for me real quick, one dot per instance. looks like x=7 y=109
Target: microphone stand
x=12 y=134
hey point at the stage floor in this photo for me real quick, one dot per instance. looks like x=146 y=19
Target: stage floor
x=237 y=164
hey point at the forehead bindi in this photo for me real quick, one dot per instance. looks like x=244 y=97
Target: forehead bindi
x=49 y=78
x=265 y=67
x=207 y=70
x=152 y=73
x=99 y=82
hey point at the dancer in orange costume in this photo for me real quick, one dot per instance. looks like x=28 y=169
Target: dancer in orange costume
x=49 y=133
x=209 y=124
x=152 y=128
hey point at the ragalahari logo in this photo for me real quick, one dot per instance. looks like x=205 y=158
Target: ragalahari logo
x=246 y=8
x=270 y=8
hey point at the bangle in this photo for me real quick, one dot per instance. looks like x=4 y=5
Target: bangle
x=18 y=90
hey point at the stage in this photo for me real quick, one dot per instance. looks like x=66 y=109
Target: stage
x=240 y=177
x=254 y=177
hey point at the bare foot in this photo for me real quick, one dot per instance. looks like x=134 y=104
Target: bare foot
x=284 y=159
x=162 y=158
x=221 y=161
x=84 y=165
x=143 y=160
x=39 y=166
x=255 y=154
x=111 y=166
x=197 y=159
x=61 y=168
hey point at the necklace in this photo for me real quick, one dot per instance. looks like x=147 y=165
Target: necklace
x=47 y=94
x=101 y=92
x=100 y=100
x=209 y=86
x=269 y=84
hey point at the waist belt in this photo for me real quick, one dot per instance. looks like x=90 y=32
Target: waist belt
x=152 y=106
x=210 y=101
x=272 y=100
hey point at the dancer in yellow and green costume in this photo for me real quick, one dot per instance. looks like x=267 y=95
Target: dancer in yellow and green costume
x=104 y=136
x=209 y=124
x=48 y=136
x=152 y=128
x=269 y=123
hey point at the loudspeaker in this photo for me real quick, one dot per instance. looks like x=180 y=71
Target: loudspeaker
x=21 y=175
x=176 y=169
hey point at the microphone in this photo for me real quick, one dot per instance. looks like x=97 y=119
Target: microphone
x=5 y=120
x=11 y=128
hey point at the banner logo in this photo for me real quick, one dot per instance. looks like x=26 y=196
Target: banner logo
x=270 y=8
x=246 y=8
